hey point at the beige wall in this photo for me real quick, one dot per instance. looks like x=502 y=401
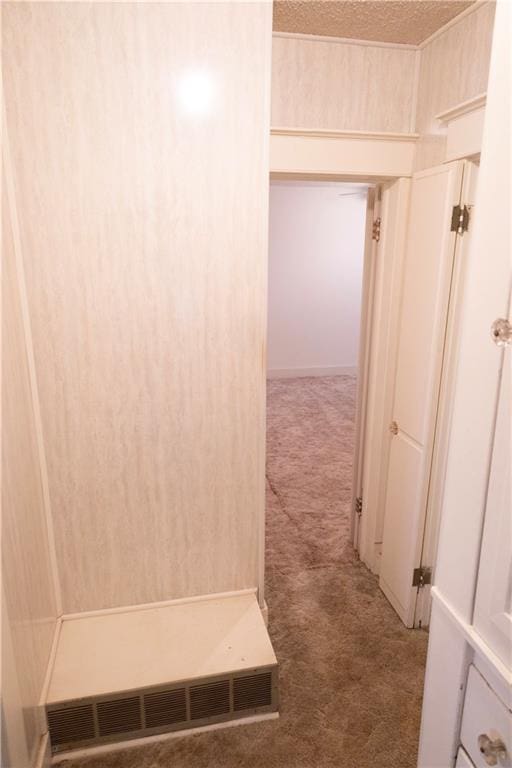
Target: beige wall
x=144 y=237
x=29 y=607
x=329 y=85
x=340 y=86
x=454 y=68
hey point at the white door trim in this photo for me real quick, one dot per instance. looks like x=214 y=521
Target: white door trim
x=363 y=367
x=395 y=201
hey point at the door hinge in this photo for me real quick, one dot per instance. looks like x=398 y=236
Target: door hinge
x=421 y=577
x=376 y=230
x=359 y=506
x=460 y=219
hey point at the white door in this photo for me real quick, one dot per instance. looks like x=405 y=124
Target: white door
x=385 y=301
x=427 y=273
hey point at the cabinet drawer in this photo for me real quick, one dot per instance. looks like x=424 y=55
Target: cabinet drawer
x=463 y=760
x=485 y=715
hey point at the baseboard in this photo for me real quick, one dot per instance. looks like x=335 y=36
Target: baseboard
x=43 y=757
x=148 y=740
x=160 y=604
x=299 y=373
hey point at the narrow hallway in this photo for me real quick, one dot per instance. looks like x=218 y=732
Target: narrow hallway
x=351 y=675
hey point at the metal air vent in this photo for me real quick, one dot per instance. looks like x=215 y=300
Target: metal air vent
x=252 y=691
x=165 y=708
x=70 y=724
x=168 y=707
x=209 y=700
x=119 y=715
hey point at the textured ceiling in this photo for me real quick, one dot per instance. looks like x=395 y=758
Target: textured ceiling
x=390 y=21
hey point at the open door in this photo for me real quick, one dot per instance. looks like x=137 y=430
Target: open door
x=425 y=296
x=373 y=456
x=363 y=367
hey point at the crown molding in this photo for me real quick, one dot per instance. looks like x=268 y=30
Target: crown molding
x=345 y=41
x=471 y=105
x=456 y=19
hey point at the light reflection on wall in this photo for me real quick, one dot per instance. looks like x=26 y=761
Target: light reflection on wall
x=196 y=92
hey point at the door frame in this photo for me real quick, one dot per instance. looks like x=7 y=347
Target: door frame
x=364 y=356
x=347 y=156
x=368 y=291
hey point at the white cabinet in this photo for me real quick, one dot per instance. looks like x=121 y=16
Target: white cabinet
x=493 y=606
x=463 y=760
x=486 y=731
x=472 y=589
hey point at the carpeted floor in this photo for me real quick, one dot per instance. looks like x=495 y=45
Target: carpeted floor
x=351 y=676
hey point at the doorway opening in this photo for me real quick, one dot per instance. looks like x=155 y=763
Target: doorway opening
x=317 y=232
x=331 y=626
x=410 y=296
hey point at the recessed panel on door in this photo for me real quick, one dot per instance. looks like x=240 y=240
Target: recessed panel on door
x=403 y=496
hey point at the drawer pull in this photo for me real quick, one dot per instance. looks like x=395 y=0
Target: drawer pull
x=492 y=750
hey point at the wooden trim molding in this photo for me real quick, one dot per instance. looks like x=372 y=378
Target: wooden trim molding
x=298 y=373
x=159 y=604
x=464 y=108
x=323 y=133
x=356 y=155
x=345 y=41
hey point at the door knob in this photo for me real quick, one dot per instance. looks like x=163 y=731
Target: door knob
x=393 y=428
x=501 y=331
x=492 y=749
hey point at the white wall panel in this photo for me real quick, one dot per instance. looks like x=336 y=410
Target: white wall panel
x=340 y=86
x=316 y=250
x=144 y=235
x=454 y=68
x=29 y=611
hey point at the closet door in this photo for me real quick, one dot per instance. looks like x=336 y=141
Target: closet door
x=427 y=275
x=493 y=606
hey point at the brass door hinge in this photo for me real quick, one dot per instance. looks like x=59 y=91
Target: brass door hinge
x=421 y=577
x=376 y=230
x=460 y=219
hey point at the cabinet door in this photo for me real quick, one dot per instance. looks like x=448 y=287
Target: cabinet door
x=493 y=606
x=486 y=727
x=463 y=760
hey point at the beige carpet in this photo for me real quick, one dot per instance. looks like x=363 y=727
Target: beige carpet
x=351 y=675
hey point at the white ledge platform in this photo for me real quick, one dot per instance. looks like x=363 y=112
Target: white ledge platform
x=102 y=654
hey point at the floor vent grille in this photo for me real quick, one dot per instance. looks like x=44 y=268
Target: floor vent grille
x=150 y=711
x=71 y=724
x=118 y=716
x=209 y=700
x=252 y=691
x=165 y=708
